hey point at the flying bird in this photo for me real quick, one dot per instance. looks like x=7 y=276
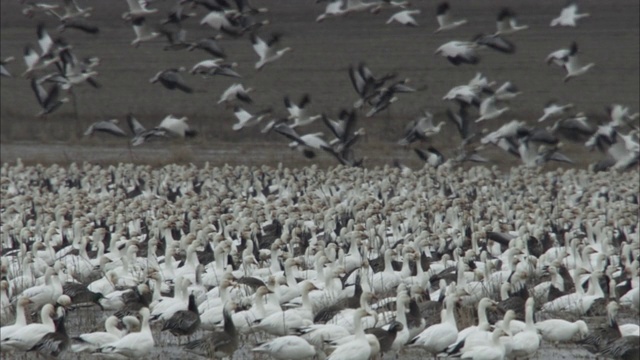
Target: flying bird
x=236 y=91
x=466 y=52
x=49 y=100
x=106 y=126
x=171 y=79
x=405 y=17
x=246 y=119
x=507 y=22
x=142 y=30
x=569 y=16
x=489 y=109
x=552 y=109
x=266 y=50
x=445 y=21
x=573 y=65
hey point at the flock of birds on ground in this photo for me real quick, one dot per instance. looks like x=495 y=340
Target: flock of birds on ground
x=478 y=101
x=343 y=263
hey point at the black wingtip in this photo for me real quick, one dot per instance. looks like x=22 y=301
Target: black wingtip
x=442 y=8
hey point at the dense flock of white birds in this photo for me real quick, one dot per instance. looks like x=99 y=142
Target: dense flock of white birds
x=338 y=263
x=299 y=260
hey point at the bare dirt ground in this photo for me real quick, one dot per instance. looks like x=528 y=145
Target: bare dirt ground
x=317 y=65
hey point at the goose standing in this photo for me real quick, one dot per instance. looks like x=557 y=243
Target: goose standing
x=184 y=322
x=445 y=21
x=386 y=280
x=483 y=325
x=27 y=336
x=494 y=350
x=266 y=50
x=218 y=343
x=20 y=322
x=359 y=348
x=133 y=345
x=90 y=342
x=438 y=337
x=288 y=347
x=53 y=343
x=559 y=330
x=526 y=343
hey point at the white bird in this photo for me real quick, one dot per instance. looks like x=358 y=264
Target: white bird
x=27 y=336
x=558 y=57
x=359 y=348
x=334 y=8
x=405 y=17
x=526 y=343
x=133 y=345
x=216 y=20
x=92 y=341
x=21 y=320
x=568 y=16
x=3 y=62
x=299 y=112
x=573 y=66
x=552 y=109
x=494 y=350
x=177 y=126
x=506 y=91
x=108 y=126
x=246 y=119
x=236 y=91
x=459 y=52
x=436 y=338
x=489 y=110
x=142 y=30
x=507 y=22
x=215 y=67
x=559 y=330
x=137 y=8
x=288 y=347
x=266 y=50
x=445 y=22
x=304 y=143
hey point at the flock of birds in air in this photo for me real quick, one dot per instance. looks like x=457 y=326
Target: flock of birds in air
x=304 y=263
x=478 y=100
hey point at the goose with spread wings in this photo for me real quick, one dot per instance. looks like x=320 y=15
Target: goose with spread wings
x=304 y=143
x=171 y=79
x=266 y=50
x=445 y=20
